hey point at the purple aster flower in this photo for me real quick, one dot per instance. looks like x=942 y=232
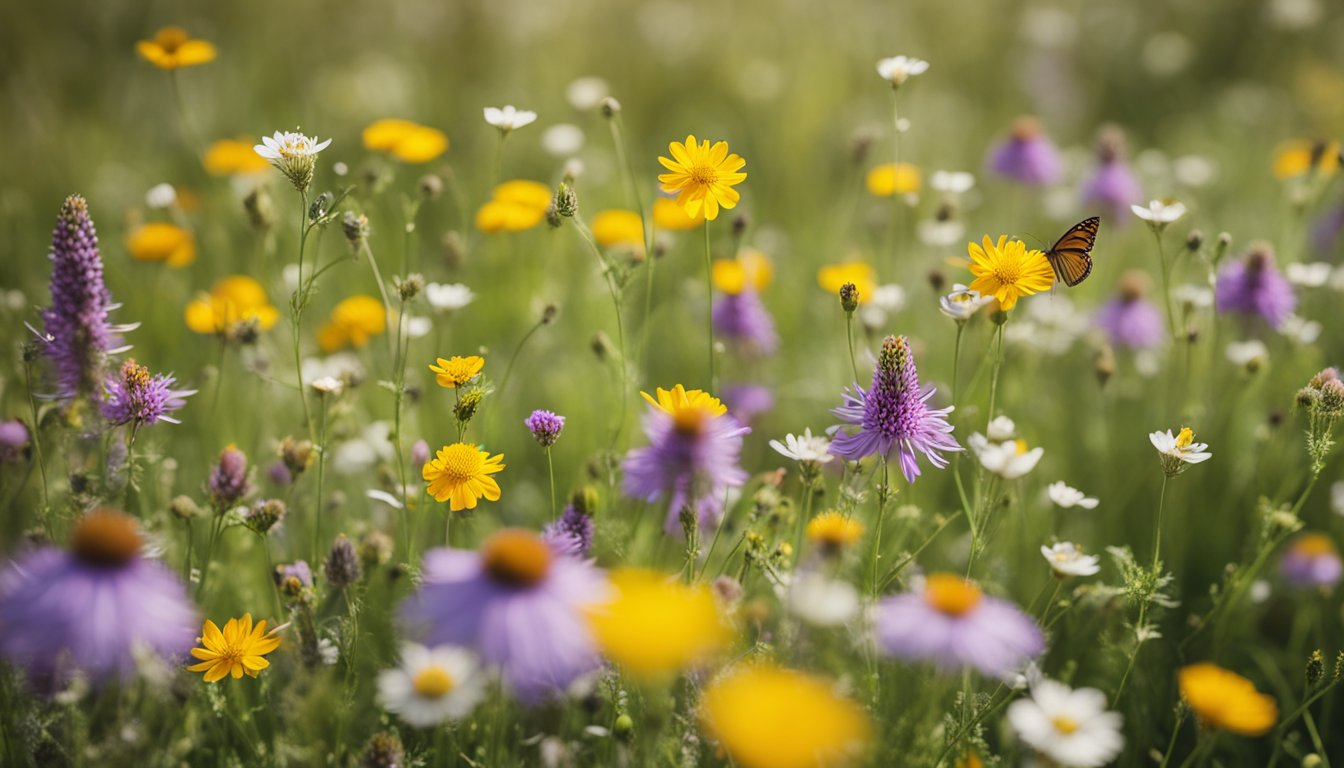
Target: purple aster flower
x=13 y=437
x=893 y=414
x=692 y=456
x=228 y=480
x=135 y=395
x=517 y=604
x=952 y=624
x=1254 y=286
x=1114 y=187
x=1129 y=319
x=747 y=401
x=89 y=608
x=1311 y=561
x=1026 y=156
x=742 y=318
x=571 y=535
x=545 y=427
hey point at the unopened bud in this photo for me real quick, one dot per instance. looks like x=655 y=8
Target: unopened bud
x=937 y=280
x=183 y=508
x=849 y=297
x=548 y=314
x=1103 y=366
x=356 y=227
x=624 y=727
x=610 y=107
x=1315 y=668
x=566 y=201
x=1194 y=240
x=410 y=286
x=431 y=186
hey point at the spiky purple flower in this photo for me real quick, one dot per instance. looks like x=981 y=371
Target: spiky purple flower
x=742 y=318
x=1254 y=286
x=136 y=395
x=571 y=535
x=342 y=567
x=1129 y=319
x=893 y=414
x=545 y=426
x=1027 y=156
x=228 y=480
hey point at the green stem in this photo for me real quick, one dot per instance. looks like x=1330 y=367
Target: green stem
x=882 y=494
x=709 y=307
x=382 y=291
x=1166 y=283
x=45 y=515
x=956 y=362
x=895 y=180
x=849 y=336
x=998 y=365
x=508 y=370
x=615 y=292
x=296 y=316
x=550 y=470
x=321 y=464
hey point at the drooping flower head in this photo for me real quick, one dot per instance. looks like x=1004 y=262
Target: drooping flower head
x=135 y=395
x=545 y=427
x=692 y=456
x=239 y=648
x=1311 y=561
x=893 y=415
x=294 y=154
x=461 y=473
x=89 y=607
x=952 y=624
x=1027 y=156
x=1226 y=701
x=517 y=604
x=1113 y=187
x=1254 y=286
x=1008 y=270
x=572 y=534
x=702 y=176
x=1129 y=319
x=174 y=48
x=655 y=626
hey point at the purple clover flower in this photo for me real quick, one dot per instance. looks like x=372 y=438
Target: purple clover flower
x=893 y=414
x=545 y=426
x=742 y=318
x=1027 y=156
x=1254 y=286
x=571 y=535
x=1129 y=319
x=135 y=395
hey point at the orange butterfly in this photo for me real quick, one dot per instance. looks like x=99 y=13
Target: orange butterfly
x=1071 y=255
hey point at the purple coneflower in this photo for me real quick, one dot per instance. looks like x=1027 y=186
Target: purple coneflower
x=1026 y=156
x=952 y=624
x=893 y=414
x=520 y=606
x=88 y=608
x=228 y=480
x=742 y=318
x=1311 y=561
x=135 y=395
x=13 y=438
x=1113 y=188
x=1129 y=319
x=692 y=456
x=545 y=427
x=1255 y=286
x=572 y=534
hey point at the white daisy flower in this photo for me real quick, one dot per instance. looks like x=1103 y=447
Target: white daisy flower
x=562 y=139
x=432 y=685
x=1300 y=329
x=1158 y=213
x=327 y=385
x=1246 y=353
x=952 y=182
x=1193 y=296
x=163 y=196
x=898 y=69
x=448 y=296
x=1178 y=451
x=1051 y=326
x=822 y=601
x=1313 y=275
x=586 y=93
x=962 y=302
x=1001 y=429
x=1009 y=460
x=1065 y=559
x=509 y=117
x=294 y=154
x=805 y=447
x=941 y=232
x=1068 y=497
x=1068 y=726
x=418 y=327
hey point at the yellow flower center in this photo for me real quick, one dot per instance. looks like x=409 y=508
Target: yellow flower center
x=171 y=39
x=105 y=539
x=1020 y=445
x=1314 y=545
x=1065 y=725
x=833 y=530
x=516 y=557
x=951 y=594
x=704 y=173
x=461 y=462
x=433 y=682
x=1186 y=437
x=688 y=421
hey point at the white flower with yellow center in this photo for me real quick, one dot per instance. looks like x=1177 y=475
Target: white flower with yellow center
x=897 y=69
x=1066 y=560
x=1010 y=459
x=805 y=447
x=1067 y=726
x=1159 y=214
x=1068 y=497
x=447 y=297
x=822 y=601
x=509 y=117
x=294 y=154
x=1178 y=451
x=962 y=302
x=432 y=685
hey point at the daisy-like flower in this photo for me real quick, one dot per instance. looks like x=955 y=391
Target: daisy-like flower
x=1009 y=459
x=447 y=297
x=962 y=303
x=821 y=600
x=702 y=176
x=1313 y=275
x=509 y=118
x=833 y=531
x=655 y=626
x=1008 y=270
x=804 y=448
x=1067 y=560
x=952 y=182
x=456 y=371
x=160 y=241
x=353 y=322
x=294 y=154
x=1226 y=701
x=461 y=474
x=861 y=274
x=238 y=648
x=897 y=69
x=517 y=205
x=1068 y=497
x=1250 y=354
x=1159 y=214
x=407 y=141
x=1068 y=726
x=952 y=624
x=1001 y=429
x=235 y=307
x=432 y=685
x=233 y=157
x=1177 y=452
x=1311 y=561
x=133 y=395
x=521 y=607
x=893 y=415
x=174 y=48
x=891 y=179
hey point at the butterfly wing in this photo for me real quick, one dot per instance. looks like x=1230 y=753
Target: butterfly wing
x=1071 y=255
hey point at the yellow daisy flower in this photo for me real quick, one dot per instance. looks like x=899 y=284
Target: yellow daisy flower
x=616 y=227
x=702 y=176
x=353 y=322
x=456 y=371
x=233 y=300
x=460 y=474
x=233 y=157
x=164 y=242
x=173 y=48
x=1226 y=701
x=237 y=649
x=750 y=268
x=656 y=626
x=1008 y=270
x=860 y=273
x=893 y=179
x=669 y=216
x=517 y=205
x=405 y=140
x=1298 y=157
x=834 y=531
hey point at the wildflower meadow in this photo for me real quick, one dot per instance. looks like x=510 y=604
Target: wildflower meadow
x=672 y=383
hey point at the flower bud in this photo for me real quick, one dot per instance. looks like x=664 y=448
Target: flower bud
x=342 y=567
x=566 y=201
x=356 y=228
x=610 y=107
x=431 y=186
x=849 y=297
x=410 y=286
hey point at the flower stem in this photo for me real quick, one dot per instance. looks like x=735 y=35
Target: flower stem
x=321 y=464
x=550 y=470
x=298 y=304
x=849 y=336
x=895 y=180
x=1157 y=536
x=709 y=307
x=615 y=292
x=45 y=514
x=1166 y=283
x=994 y=378
x=882 y=492
x=956 y=360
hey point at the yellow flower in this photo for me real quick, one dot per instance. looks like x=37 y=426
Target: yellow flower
x=172 y=48
x=353 y=322
x=769 y=717
x=1301 y=156
x=1224 y=700
x=751 y=269
x=407 y=141
x=237 y=649
x=233 y=157
x=893 y=179
x=162 y=242
x=517 y=205
x=456 y=371
x=1008 y=270
x=656 y=626
x=460 y=474
x=617 y=227
x=702 y=177
x=672 y=217
x=233 y=300
x=860 y=273
x=834 y=531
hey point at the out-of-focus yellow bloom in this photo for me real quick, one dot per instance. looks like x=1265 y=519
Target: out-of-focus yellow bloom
x=834 y=531
x=616 y=227
x=234 y=157
x=173 y=48
x=751 y=269
x=1298 y=157
x=1008 y=270
x=517 y=205
x=656 y=626
x=1226 y=701
x=672 y=217
x=353 y=322
x=232 y=301
x=893 y=179
x=702 y=176
x=407 y=141
x=833 y=276
x=159 y=241
x=769 y=717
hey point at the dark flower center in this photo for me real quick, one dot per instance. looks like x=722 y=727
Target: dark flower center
x=105 y=539
x=515 y=557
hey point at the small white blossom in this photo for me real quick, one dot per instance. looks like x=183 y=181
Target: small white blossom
x=805 y=447
x=822 y=601
x=1069 y=497
x=1159 y=213
x=328 y=385
x=898 y=69
x=962 y=302
x=1193 y=296
x=1009 y=460
x=418 y=327
x=161 y=196
x=1065 y=559
x=509 y=118
x=432 y=685
x=1001 y=429
x=1176 y=452
x=1260 y=591
x=1194 y=170
x=1068 y=726
x=1300 y=329
x=952 y=182
x=1246 y=353
x=1313 y=275
x=941 y=232
x=562 y=139
x=448 y=296
x=288 y=145
x=585 y=93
